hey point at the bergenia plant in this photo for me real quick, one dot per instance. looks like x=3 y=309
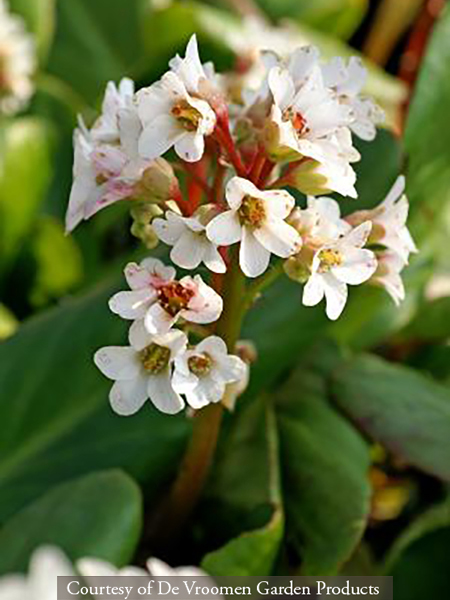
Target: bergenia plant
x=219 y=183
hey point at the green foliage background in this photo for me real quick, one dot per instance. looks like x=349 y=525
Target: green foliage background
x=325 y=401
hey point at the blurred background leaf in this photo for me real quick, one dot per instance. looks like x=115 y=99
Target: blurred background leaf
x=99 y=515
x=39 y=17
x=25 y=174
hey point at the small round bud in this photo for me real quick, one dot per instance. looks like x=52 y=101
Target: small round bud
x=158 y=183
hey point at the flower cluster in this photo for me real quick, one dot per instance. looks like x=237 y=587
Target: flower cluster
x=17 y=62
x=234 y=156
x=48 y=563
x=158 y=364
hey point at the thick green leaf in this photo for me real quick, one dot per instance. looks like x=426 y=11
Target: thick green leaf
x=280 y=310
x=403 y=410
x=251 y=553
x=99 y=515
x=373 y=184
x=8 y=322
x=419 y=560
x=56 y=419
x=39 y=16
x=325 y=466
x=97 y=41
x=235 y=499
x=432 y=323
x=58 y=261
x=427 y=132
x=25 y=172
x=336 y=17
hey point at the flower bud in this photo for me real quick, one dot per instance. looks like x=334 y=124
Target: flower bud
x=309 y=179
x=275 y=150
x=315 y=179
x=143 y=214
x=158 y=183
x=298 y=267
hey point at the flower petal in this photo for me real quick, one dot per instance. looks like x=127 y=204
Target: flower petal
x=117 y=362
x=358 y=266
x=157 y=320
x=188 y=251
x=208 y=390
x=237 y=188
x=213 y=345
x=138 y=336
x=137 y=276
x=163 y=395
x=279 y=203
x=159 y=136
x=281 y=86
x=336 y=294
x=232 y=369
x=213 y=259
x=224 y=229
x=253 y=257
x=132 y=305
x=127 y=397
x=279 y=238
x=313 y=291
x=170 y=229
x=190 y=146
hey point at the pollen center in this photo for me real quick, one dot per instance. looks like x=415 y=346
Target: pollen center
x=297 y=119
x=155 y=358
x=329 y=258
x=200 y=364
x=187 y=116
x=252 y=212
x=173 y=297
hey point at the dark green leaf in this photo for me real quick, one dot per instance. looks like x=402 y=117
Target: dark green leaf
x=403 y=410
x=99 y=515
x=419 y=560
x=97 y=41
x=57 y=422
x=427 y=132
x=25 y=150
x=280 y=310
x=58 y=261
x=336 y=17
x=325 y=466
x=39 y=16
x=235 y=499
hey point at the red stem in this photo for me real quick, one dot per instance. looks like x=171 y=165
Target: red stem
x=223 y=136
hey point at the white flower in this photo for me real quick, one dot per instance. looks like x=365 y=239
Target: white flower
x=17 y=62
x=173 y=114
x=202 y=373
x=158 y=568
x=335 y=266
x=387 y=275
x=305 y=113
x=106 y=128
x=47 y=563
x=143 y=371
x=160 y=300
x=190 y=244
x=320 y=223
x=348 y=80
x=95 y=567
x=107 y=165
x=389 y=222
x=257 y=219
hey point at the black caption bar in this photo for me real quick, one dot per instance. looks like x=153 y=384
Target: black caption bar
x=207 y=588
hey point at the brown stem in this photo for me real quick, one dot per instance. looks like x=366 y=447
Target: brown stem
x=199 y=455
